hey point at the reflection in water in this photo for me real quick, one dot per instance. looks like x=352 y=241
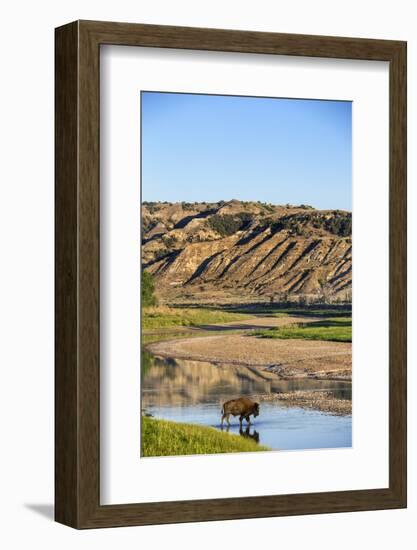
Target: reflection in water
x=244 y=432
x=183 y=382
x=194 y=391
x=147 y=362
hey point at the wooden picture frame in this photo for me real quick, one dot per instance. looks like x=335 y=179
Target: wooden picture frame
x=77 y=382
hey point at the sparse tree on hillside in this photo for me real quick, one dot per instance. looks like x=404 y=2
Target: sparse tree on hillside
x=327 y=293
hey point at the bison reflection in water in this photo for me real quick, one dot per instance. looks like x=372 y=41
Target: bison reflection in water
x=242 y=407
x=245 y=433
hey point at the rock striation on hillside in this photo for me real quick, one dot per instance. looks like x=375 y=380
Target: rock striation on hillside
x=246 y=251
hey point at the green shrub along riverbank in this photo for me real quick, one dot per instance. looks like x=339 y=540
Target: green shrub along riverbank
x=166 y=438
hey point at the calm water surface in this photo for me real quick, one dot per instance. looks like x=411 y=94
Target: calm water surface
x=193 y=392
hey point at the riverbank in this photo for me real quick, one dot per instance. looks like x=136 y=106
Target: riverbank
x=166 y=438
x=323 y=401
x=286 y=359
x=167 y=317
x=214 y=324
x=332 y=330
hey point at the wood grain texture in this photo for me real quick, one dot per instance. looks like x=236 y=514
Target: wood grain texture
x=66 y=237
x=398 y=274
x=78 y=285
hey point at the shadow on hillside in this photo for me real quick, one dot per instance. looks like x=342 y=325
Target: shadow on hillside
x=268 y=309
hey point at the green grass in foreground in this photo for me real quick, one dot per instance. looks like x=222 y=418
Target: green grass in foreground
x=165 y=438
x=164 y=317
x=336 y=330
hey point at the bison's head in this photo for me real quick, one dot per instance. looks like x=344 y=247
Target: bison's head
x=256 y=409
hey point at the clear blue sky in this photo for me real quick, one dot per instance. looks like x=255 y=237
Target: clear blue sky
x=211 y=148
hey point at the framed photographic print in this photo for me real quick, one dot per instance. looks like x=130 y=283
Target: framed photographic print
x=230 y=274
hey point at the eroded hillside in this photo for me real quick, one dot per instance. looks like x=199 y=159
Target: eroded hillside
x=246 y=251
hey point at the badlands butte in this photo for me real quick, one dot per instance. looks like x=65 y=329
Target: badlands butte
x=243 y=252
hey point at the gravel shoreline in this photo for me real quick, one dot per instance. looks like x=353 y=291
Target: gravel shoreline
x=285 y=359
x=317 y=400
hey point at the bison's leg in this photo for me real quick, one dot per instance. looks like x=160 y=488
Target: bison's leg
x=226 y=416
x=241 y=420
x=248 y=419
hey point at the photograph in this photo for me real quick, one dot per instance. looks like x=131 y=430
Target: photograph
x=209 y=271
x=246 y=274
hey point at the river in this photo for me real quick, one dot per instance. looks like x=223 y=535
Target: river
x=193 y=392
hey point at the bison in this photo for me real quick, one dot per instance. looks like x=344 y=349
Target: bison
x=242 y=407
